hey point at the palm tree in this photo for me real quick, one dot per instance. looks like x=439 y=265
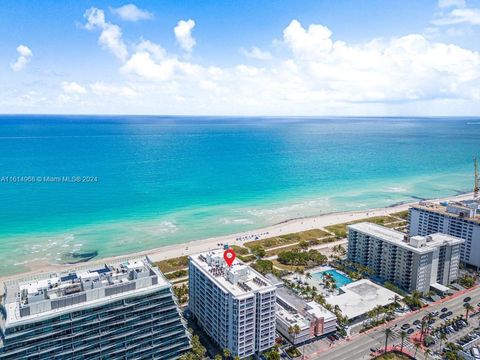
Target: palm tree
x=388 y=332
x=378 y=310
x=272 y=354
x=236 y=357
x=417 y=346
x=320 y=299
x=427 y=353
x=403 y=335
x=218 y=357
x=424 y=328
x=295 y=330
x=308 y=275
x=396 y=299
x=442 y=338
x=468 y=308
x=227 y=353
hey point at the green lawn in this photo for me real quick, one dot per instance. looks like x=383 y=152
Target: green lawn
x=287 y=267
x=340 y=230
x=288 y=239
x=239 y=250
x=401 y=214
x=173 y=264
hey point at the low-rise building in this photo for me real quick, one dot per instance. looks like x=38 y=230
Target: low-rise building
x=234 y=305
x=412 y=263
x=322 y=320
x=358 y=298
x=121 y=310
x=288 y=320
x=312 y=319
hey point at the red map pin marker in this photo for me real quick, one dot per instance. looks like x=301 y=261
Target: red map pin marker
x=229 y=256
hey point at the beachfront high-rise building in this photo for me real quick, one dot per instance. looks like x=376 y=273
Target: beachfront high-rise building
x=116 y=311
x=412 y=263
x=460 y=219
x=234 y=305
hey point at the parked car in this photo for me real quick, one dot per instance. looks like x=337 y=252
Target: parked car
x=410 y=331
x=467 y=299
x=444 y=309
x=405 y=326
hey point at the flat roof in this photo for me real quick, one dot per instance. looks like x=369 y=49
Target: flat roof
x=398 y=238
x=440 y=287
x=442 y=210
x=291 y=318
x=45 y=295
x=238 y=279
x=361 y=296
x=317 y=310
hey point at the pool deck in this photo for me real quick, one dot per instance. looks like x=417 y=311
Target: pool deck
x=314 y=281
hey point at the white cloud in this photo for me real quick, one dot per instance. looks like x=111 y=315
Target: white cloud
x=183 y=34
x=451 y=3
x=313 y=74
x=110 y=36
x=314 y=41
x=101 y=88
x=148 y=46
x=459 y=16
x=73 y=88
x=320 y=75
x=256 y=53
x=455 y=12
x=24 y=57
x=131 y=12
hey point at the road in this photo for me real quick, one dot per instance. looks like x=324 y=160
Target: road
x=358 y=347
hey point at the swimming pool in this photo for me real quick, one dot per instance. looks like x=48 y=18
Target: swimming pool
x=340 y=279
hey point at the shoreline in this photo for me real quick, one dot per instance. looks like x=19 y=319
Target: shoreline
x=196 y=246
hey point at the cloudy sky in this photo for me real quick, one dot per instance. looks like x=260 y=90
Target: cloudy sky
x=249 y=57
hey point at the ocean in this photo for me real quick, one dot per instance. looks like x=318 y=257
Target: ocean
x=110 y=185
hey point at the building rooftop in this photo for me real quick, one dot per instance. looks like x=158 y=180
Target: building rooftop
x=47 y=294
x=291 y=318
x=468 y=209
x=238 y=279
x=361 y=296
x=315 y=309
x=418 y=244
x=292 y=303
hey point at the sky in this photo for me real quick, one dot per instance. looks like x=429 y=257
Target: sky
x=249 y=57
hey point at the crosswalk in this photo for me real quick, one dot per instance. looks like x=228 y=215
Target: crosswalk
x=396 y=339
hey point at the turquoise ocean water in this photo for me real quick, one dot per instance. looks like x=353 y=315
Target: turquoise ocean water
x=167 y=180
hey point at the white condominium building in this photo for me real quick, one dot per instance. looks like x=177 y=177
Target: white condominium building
x=460 y=219
x=412 y=263
x=234 y=305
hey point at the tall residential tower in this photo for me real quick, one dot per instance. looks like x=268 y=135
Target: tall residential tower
x=459 y=219
x=115 y=311
x=234 y=305
x=412 y=263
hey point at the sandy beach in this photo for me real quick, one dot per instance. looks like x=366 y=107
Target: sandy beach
x=286 y=227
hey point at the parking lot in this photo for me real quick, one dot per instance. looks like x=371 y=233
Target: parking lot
x=360 y=346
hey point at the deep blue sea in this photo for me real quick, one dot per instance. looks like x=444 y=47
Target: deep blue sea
x=120 y=184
